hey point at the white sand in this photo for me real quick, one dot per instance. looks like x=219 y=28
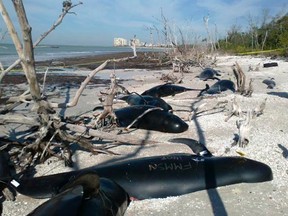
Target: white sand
x=269 y=132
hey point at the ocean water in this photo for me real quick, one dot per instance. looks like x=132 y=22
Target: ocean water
x=8 y=53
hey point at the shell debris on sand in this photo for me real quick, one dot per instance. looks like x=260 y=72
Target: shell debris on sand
x=268 y=132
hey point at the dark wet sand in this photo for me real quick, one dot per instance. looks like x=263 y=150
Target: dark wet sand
x=143 y=61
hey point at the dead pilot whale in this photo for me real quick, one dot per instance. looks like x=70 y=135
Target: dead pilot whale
x=218 y=87
x=159 y=176
x=209 y=73
x=157 y=120
x=135 y=99
x=167 y=89
x=86 y=194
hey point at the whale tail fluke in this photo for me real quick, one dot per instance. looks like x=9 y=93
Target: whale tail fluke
x=207 y=87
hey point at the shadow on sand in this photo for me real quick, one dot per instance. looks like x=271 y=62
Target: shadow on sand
x=215 y=199
x=279 y=94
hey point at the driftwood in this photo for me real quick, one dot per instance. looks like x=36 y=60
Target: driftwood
x=140 y=116
x=18 y=118
x=241 y=81
x=251 y=68
x=202 y=110
x=235 y=110
x=259 y=110
x=244 y=127
x=90 y=132
x=47 y=134
x=244 y=123
x=240 y=77
x=121 y=138
x=42 y=37
x=74 y=101
x=25 y=51
x=195 y=111
x=171 y=77
x=49 y=129
x=249 y=91
x=107 y=101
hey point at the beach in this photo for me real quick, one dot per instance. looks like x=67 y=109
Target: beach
x=268 y=134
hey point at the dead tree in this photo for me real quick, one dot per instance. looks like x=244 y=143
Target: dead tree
x=66 y=10
x=240 y=78
x=249 y=91
x=48 y=132
x=210 y=40
x=244 y=123
x=171 y=77
x=259 y=110
x=244 y=127
x=241 y=81
x=235 y=110
x=178 y=66
x=107 y=100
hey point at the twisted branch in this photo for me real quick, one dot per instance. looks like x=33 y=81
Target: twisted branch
x=44 y=35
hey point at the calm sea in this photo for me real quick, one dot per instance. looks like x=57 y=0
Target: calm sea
x=8 y=53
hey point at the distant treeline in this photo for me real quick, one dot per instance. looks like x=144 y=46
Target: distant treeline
x=267 y=36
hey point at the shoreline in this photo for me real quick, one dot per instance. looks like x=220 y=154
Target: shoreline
x=93 y=61
x=64 y=66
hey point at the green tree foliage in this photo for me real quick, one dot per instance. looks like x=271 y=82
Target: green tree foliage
x=283 y=32
x=271 y=35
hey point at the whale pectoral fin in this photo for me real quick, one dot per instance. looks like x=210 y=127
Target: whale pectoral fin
x=197 y=147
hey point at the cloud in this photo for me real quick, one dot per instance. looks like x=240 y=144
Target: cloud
x=100 y=20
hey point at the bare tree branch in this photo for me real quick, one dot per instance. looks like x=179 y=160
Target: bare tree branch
x=259 y=110
x=86 y=81
x=44 y=35
x=26 y=55
x=236 y=110
x=140 y=116
x=18 y=118
x=108 y=100
x=122 y=138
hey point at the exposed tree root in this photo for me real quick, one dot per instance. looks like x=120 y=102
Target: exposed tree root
x=241 y=81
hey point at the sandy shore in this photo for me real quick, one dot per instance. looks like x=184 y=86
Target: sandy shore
x=144 y=60
x=268 y=140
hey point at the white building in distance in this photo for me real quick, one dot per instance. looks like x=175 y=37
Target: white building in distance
x=124 y=42
x=120 y=42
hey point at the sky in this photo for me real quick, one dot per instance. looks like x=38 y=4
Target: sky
x=98 y=22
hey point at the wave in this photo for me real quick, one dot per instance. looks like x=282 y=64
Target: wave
x=49 y=52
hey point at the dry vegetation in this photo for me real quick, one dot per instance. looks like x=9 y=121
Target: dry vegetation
x=47 y=131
